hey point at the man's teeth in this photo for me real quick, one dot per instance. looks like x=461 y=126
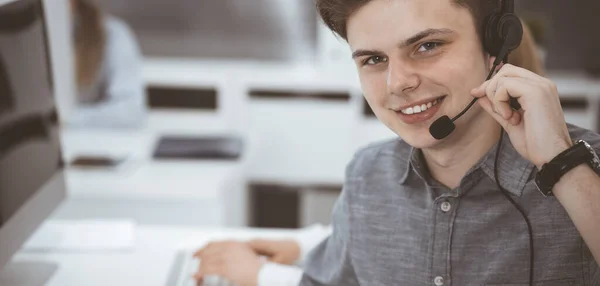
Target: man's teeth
x=420 y=108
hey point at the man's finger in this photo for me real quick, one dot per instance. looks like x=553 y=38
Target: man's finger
x=521 y=89
x=261 y=246
x=511 y=71
x=278 y=259
x=516 y=118
x=208 y=247
x=214 y=250
x=211 y=266
x=480 y=90
x=500 y=100
x=198 y=252
x=486 y=104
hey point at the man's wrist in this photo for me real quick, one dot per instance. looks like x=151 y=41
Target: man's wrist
x=567 y=168
x=555 y=151
x=568 y=181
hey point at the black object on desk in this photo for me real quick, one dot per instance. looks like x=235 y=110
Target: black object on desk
x=92 y=161
x=198 y=148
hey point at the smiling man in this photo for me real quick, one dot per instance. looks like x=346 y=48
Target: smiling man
x=511 y=197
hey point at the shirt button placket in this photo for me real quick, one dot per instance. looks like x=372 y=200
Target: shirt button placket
x=438 y=281
x=446 y=206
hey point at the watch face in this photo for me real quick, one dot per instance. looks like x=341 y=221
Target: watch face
x=595 y=162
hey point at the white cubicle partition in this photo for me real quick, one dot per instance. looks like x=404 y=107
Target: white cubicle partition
x=177 y=192
x=579 y=86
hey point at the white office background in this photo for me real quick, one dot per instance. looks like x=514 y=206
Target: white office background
x=242 y=48
x=285 y=85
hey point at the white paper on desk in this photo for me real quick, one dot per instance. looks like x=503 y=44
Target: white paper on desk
x=83 y=235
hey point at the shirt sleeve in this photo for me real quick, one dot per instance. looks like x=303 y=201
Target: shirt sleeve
x=277 y=274
x=330 y=263
x=310 y=237
x=125 y=100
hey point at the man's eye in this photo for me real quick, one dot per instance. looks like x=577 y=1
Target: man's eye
x=429 y=46
x=374 y=60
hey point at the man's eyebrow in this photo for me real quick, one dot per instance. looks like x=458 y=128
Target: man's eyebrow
x=360 y=53
x=423 y=34
x=417 y=37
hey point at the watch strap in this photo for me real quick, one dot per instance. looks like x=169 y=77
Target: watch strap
x=553 y=171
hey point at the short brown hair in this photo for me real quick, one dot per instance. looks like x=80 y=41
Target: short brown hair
x=335 y=13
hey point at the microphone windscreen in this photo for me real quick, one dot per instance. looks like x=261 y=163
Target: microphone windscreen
x=442 y=127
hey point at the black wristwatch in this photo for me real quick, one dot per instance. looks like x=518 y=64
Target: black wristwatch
x=581 y=152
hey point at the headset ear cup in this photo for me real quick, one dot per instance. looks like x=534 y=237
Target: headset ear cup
x=491 y=42
x=510 y=31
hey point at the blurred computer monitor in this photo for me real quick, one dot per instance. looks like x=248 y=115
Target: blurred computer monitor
x=32 y=183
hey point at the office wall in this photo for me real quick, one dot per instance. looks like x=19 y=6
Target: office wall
x=286 y=30
x=571 y=36
x=277 y=30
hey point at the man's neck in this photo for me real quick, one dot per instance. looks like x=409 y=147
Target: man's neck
x=448 y=164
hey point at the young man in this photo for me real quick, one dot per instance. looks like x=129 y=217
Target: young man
x=239 y=262
x=422 y=211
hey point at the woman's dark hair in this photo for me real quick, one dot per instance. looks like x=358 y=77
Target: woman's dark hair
x=90 y=39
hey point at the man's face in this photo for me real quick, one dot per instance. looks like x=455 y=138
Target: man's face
x=415 y=55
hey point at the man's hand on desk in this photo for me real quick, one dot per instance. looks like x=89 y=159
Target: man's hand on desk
x=278 y=251
x=233 y=260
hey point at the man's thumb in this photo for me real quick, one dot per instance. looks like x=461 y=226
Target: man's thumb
x=278 y=259
x=259 y=245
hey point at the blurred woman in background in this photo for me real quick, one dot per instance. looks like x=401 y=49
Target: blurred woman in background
x=240 y=262
x=110 y=91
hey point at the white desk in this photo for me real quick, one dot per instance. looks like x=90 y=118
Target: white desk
x=308 y=141
x=147 y=264
x=184 y=192
x=303 y=141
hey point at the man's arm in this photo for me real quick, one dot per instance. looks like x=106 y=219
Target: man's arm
x=330 y=263
x=579 y=193
x=539 y=132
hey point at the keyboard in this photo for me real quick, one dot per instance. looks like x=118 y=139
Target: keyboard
x=185 y=266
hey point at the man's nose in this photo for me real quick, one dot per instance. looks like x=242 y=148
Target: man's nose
x=401 y=79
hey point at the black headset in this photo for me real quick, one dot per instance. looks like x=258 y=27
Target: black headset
x=501 y=34
x=502 y=31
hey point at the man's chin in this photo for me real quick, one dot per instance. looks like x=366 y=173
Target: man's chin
x=419 y=139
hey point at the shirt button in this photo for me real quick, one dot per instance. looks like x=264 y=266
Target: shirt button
x=446 y=206
x=439 y=281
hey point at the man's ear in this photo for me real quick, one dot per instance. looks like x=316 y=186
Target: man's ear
x=490 y=61
x=491 y=64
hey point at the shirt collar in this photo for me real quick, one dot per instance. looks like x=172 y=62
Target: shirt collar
x=415 y=162
x=513 y=170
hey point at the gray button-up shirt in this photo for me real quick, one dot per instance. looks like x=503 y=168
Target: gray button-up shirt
x=394 y=225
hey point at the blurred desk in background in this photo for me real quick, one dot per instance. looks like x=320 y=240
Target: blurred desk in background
x=580 y=98
x=149 y=262
x=173 y=191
